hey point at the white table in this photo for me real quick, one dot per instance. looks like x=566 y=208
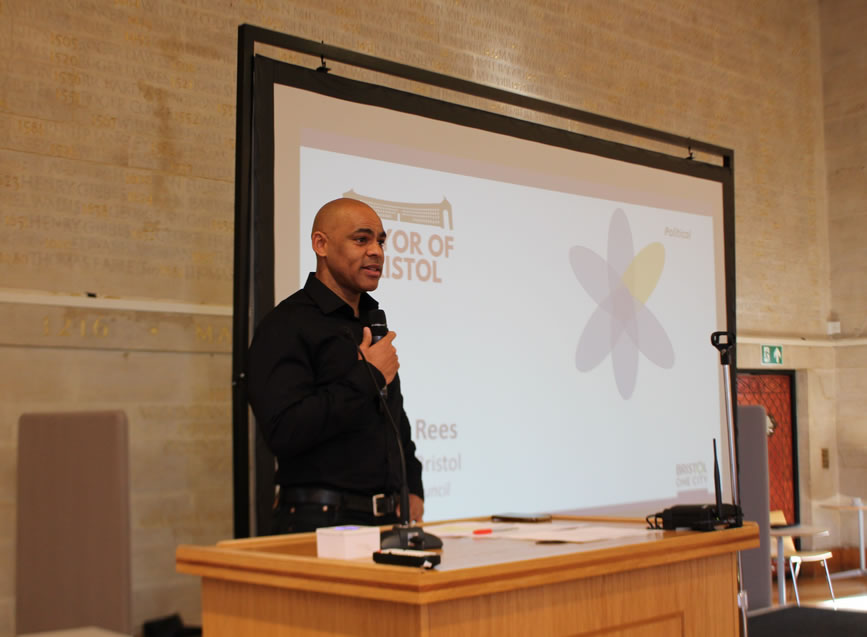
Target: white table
x=780 y=532
x=860 y=508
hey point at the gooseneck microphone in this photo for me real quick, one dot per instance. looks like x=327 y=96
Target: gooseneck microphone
x=402 y=535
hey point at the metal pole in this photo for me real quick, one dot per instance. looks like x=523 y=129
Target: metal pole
x=724 y=342
x=730 y=420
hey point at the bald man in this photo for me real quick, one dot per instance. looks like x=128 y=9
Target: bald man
x=316 y=400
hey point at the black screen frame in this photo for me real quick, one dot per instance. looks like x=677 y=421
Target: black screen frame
x=254 y=196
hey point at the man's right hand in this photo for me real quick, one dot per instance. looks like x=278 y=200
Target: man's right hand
x=381 y=354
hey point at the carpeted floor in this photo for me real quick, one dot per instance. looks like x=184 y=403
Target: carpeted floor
x=793 y=621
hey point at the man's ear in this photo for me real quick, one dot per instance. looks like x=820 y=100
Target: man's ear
x=320 y=243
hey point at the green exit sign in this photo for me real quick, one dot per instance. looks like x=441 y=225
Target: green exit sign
x=772 y=354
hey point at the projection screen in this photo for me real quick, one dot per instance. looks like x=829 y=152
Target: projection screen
x=553 y=305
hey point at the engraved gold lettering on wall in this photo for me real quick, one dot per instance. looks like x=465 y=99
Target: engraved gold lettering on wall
x=57 y=327
x=103 y=121
x=10 y=182
x=126 y=147
x=23 y=325
x=124 y=233
x=72 y=327
x=193 y=414
x=31 y=127
x=211 y=334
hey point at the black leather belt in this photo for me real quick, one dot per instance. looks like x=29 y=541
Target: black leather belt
x=378 y=505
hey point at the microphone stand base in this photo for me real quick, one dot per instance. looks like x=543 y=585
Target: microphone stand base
x=409 y=537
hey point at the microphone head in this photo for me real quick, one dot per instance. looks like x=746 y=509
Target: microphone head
x=377 y=323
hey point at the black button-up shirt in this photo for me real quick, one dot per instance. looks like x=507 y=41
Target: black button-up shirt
x=316 y=403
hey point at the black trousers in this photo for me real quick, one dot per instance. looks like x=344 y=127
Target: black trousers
x=303 y=517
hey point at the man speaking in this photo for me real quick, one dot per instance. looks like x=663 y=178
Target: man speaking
x=316 y=379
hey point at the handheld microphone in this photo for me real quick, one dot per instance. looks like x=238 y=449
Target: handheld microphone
x=378 y=325
x=378 y=329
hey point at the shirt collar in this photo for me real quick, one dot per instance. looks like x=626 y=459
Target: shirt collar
x=329 y=302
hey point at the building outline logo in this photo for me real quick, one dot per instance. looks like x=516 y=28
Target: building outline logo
x=428 y=214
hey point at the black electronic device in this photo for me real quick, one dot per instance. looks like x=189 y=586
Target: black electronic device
x=521 y=517
x=700 y=517
x=407 y=557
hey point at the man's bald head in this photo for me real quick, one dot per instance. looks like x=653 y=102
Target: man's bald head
x=337 y=212
x=348 y=240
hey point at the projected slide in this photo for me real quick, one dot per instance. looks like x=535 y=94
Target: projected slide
x=553 y=310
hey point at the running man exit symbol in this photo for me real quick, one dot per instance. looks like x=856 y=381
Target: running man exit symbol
x=772 y=354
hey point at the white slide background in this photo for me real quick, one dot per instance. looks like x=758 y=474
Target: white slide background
x=489 y=315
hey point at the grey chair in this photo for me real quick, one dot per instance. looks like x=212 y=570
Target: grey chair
x=796 y=557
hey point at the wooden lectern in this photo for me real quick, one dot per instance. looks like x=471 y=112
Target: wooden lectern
x=665 y=583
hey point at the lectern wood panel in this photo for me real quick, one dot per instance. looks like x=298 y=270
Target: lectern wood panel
x=666 y=583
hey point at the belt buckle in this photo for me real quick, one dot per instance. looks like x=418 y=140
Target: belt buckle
x=375 y=500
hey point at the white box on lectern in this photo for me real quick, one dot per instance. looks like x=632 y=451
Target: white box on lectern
x=348 y=542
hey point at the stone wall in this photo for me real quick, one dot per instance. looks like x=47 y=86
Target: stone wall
x=116 y=173
x=844 y=67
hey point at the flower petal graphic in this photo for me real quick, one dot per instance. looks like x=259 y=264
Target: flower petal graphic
x=643 y=273
x=622 y=324
x=653 y=340
x=624 y=356
x=620 y=250
x=591 y=271
x=595 y=341
x=622 y=307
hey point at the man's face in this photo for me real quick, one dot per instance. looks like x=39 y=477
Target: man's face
x=353 y=249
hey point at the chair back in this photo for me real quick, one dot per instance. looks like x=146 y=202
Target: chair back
x=778 y=518
x=73 y=555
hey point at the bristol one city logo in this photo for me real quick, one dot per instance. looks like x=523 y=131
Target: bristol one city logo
x=622 y=324
x=416 y=249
